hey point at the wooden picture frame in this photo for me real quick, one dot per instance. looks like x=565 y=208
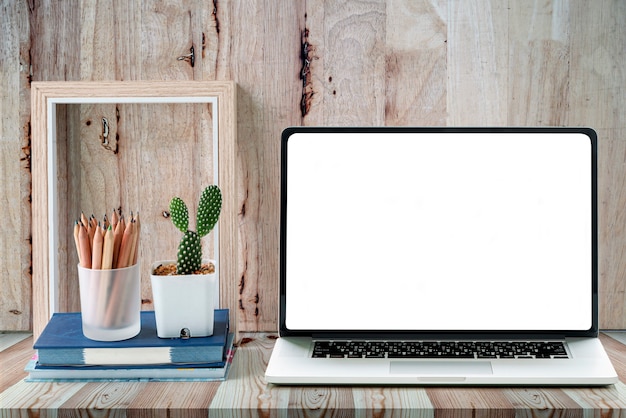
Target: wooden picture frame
x=60 y=106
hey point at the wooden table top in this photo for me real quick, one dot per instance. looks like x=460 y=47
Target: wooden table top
x=246 y=390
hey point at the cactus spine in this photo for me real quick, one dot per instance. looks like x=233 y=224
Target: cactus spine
x=189 y=256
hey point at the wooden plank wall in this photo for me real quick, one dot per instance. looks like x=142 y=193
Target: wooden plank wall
x=324 y=62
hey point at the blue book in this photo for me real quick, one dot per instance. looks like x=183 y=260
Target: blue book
x=62 y=343
x=166 y=372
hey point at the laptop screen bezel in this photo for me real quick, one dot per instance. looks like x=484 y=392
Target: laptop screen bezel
x=429 y=334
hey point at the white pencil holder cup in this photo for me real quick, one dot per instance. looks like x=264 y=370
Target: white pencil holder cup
x=110 y=303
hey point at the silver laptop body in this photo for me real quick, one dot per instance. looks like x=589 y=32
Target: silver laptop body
x=444 y=238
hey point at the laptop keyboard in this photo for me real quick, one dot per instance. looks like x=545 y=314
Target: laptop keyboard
x=440 y=349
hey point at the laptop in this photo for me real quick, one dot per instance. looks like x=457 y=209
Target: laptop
x=439 y=256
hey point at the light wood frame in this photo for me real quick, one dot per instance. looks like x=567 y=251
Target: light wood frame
x=45 y=96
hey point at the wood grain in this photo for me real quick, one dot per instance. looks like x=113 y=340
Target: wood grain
x=415 y=63
x=402 y=401
x=597 y=98
x=249 y=385
x=268 y=98
x=539 y=45
x=478 y=33
x=15 y=73
x=354 y=58
x=14 y=358
x=319 y=62
x=246 y=392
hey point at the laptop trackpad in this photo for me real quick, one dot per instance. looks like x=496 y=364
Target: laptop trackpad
x=441 y=368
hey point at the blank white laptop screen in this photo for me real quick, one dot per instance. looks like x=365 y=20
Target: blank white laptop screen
x=439 y=231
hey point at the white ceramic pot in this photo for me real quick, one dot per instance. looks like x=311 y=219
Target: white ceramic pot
x=184 y=305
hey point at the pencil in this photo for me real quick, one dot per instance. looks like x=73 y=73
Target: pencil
x=107 y=250
x=117 y=241
x=76 y=231
x=91 y=227
x=136 y=241
x=83 y=219
x=96 y=248
x=133 y=243
x=114 y=219
x=85 y=247
x=125 y=246
x=110 y=245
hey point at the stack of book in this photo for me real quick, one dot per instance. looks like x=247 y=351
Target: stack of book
x=65 y=354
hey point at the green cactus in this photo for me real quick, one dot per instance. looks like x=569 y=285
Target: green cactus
x=189 y=256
